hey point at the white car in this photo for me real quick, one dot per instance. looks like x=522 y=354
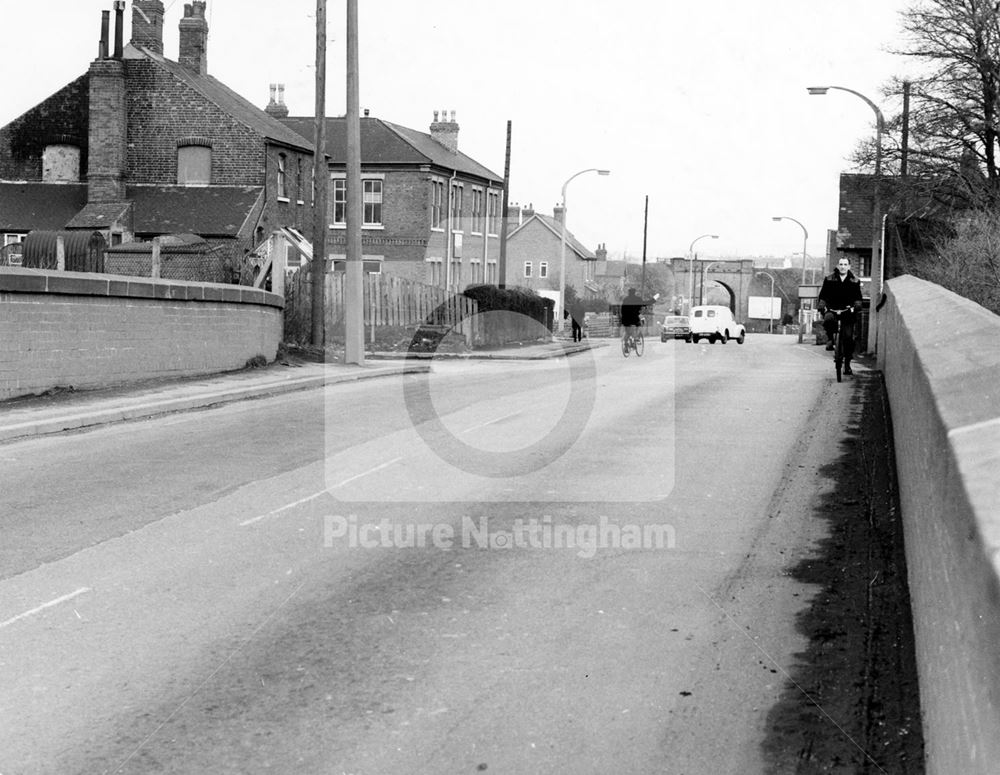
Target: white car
x=715 y=323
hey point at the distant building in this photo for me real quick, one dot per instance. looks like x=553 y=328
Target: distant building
x=430 y=213
x=534 y=254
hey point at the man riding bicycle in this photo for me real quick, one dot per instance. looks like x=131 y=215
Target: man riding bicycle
x=841 y=291
x=631 y=309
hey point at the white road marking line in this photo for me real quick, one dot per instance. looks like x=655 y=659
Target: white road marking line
x=492 y=422
x=43 y=606
x=315 y=495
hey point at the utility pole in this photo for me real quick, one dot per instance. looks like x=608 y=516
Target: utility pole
x=354 y=292
x=645 y=224
x=502 y=265
x=317 y=267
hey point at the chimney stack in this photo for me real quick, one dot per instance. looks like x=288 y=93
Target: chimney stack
x=147 y=25
x=445 y=131
x=106 y=141
x=559 y=214
x=276 y=107
x=194 y=38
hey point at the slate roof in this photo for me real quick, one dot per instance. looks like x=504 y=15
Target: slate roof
x=211 y=211
x=854 y=223
x=554 y=226
x=45 y=206
x=229 y=101
x=390 y=144
x=99 y=215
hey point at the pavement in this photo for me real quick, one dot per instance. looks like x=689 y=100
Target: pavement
x=66 y=409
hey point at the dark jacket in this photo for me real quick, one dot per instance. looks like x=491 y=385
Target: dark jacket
x=631 y=308
x=839 y=294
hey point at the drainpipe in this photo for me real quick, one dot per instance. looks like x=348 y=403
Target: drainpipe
x=448 y=236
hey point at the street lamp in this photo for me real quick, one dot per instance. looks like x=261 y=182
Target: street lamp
x=805 y=239
x=770 y=303
x=877 y=269
x=691 y=266
x=562 y=247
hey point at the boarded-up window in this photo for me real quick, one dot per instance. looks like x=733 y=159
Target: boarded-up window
x=194 y=165
x=61 y=163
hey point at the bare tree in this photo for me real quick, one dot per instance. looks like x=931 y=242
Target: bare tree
x=955 y=102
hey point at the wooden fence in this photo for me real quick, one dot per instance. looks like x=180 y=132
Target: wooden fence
x=390 y=303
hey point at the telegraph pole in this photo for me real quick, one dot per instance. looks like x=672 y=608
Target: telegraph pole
x=354 y=293
x=645 y=224
x=502 y=264
x=317 y=268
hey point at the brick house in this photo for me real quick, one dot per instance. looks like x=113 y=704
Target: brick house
x=430 y=213
x=534 y=255
x=141 y=146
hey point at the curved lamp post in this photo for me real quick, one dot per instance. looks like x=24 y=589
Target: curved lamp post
x=805 y=239
x=691 y=267
x=770 y=302
x=877 y=269
x=562 y=247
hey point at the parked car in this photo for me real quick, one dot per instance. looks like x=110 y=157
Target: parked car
x=715 y=323
x=675 y=327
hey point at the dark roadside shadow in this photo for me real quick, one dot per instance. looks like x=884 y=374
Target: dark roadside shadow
x=851 y=702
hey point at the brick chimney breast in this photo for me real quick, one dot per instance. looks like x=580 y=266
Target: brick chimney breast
x=194 y=38
x=147 y=24
x=445 y=131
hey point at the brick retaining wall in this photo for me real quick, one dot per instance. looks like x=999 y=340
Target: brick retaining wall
x=61 y=329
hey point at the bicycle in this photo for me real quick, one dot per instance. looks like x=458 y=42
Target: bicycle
x=636 y=343
x=838 y=346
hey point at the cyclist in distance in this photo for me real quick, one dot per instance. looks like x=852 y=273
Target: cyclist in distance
x=841 y=290
x=631 y=308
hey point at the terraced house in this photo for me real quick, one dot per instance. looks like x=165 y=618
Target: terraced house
x=141 y=146
x=431 y=213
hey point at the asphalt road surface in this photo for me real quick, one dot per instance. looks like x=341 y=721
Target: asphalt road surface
x=572 y=566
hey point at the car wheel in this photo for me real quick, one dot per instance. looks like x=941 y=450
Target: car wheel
x=724 y=337
x=693 y=339
x=663 y=338
x=742 y=337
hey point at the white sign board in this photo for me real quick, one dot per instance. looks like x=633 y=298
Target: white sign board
x=764 y=307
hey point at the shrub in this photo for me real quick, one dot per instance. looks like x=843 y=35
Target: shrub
x=523 y=301
x=968 y=262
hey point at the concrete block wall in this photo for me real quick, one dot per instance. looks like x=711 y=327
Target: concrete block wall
x=61 y=329
x=941 y=363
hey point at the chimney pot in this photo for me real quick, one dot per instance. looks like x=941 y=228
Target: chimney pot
x=102 y=49
x=435 y=116
x=119 y=27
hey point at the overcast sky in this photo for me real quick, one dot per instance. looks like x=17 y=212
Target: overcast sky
x=701 y=106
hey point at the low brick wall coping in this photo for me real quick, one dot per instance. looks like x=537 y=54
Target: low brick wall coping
x=19 y=280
